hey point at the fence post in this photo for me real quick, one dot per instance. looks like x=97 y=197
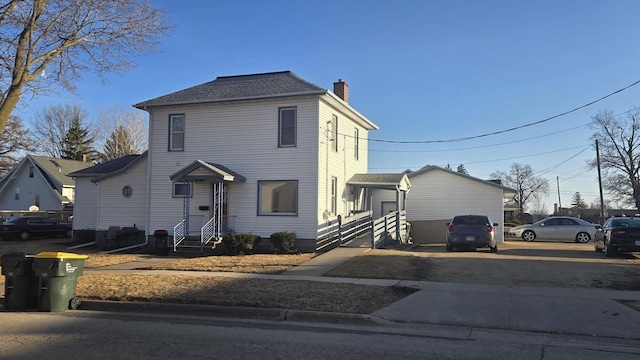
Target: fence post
x=340 y=229
x=373 y=234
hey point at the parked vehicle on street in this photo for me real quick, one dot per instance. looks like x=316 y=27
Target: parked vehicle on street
x=557 y=228
x=618 y=235
x=471 y=231
x=28 y=227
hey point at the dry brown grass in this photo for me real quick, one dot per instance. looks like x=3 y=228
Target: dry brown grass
x=300 y=295
x=256 y=263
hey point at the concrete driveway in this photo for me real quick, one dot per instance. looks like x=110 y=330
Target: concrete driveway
x=538 y=263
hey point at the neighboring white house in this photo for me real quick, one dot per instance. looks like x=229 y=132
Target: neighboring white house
x=259 y=154
x=438 y=194
x=39 y=181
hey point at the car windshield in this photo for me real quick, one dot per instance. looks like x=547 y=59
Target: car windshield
x=12 y=220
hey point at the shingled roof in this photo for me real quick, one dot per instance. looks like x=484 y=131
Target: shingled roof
x=109 y=168
x=241 y=87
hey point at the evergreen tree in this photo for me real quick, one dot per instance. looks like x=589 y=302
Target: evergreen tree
x=577 y=201
x=448 y=167
x=462 y=170
x=78 y=143
x=119 y=143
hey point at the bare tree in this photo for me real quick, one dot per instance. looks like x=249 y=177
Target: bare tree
x=15 y=140
x=538 y=210
x=523 y=179
x=52 y=124
x=619 y=144
x=132 y=121
x=48 y=44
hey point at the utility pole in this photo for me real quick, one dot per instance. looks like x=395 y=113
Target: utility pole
x=559 y=201
x=600 y=183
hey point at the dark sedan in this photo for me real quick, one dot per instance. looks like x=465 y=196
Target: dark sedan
x=27 y=227
x=471 y=231
x=618 y=235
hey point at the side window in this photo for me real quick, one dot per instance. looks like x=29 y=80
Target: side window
x=182 y=189
x=176 y=132
x=334 y=195
x=333 y=132
x=287 y=119
x=356 y=142
x=278 y=197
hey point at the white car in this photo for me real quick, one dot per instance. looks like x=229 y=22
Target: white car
x=557 y=228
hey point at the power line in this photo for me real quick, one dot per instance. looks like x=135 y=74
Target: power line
x=510 y=129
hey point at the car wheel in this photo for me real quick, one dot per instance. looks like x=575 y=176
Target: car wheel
x=528 y=235
x=583 y=238
x=609 y=251
x=24 y=235
x=493 y=249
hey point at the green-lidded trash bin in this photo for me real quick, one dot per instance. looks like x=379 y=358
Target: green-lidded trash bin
x=21 y=282
x=57 y=277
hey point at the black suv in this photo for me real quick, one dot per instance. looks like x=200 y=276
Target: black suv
x=471 y=231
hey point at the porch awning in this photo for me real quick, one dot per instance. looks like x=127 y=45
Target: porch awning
x=398 y=182
x=201 y=170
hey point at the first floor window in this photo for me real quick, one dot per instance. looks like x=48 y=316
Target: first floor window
x=182 y=189
x=278 y=197
x=37 y=203
x=334 y=195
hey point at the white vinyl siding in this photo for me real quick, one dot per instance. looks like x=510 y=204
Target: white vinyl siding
x=239 y=136
x=340 y=164
x=116 y=209
x=85 y=209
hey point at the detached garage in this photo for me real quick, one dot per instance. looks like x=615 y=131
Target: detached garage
x=438 y=194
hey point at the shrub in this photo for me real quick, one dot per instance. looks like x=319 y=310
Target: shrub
x=285 y=242
x=239 y=243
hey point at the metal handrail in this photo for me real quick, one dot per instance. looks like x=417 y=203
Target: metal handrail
x=179 y=233
x=208 y=232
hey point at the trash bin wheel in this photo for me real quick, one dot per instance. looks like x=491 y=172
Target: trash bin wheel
x=74 y=303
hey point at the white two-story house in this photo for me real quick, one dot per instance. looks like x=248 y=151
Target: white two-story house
x=260 y=153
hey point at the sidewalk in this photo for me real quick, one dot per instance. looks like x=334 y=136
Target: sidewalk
x=592 y=312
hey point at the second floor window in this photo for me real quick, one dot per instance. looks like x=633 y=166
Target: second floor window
x=356 y=141
x=176 y=132
x=287 y=119
x=334 y=195
x=333 y=133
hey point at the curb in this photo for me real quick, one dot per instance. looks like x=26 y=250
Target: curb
x=232 y=312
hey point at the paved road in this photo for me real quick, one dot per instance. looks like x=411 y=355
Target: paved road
x=102 y=335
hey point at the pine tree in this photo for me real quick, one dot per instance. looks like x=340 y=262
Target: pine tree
x=77 y=143
x=577 y=201
x=462 y=170
x=119 y=143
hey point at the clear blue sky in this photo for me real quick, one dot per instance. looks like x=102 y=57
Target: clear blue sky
x=421 y=70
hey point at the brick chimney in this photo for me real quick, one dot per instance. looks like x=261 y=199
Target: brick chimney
x=341 y=89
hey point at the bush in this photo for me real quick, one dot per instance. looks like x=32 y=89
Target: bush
x=285 y=242
x=239 y=244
